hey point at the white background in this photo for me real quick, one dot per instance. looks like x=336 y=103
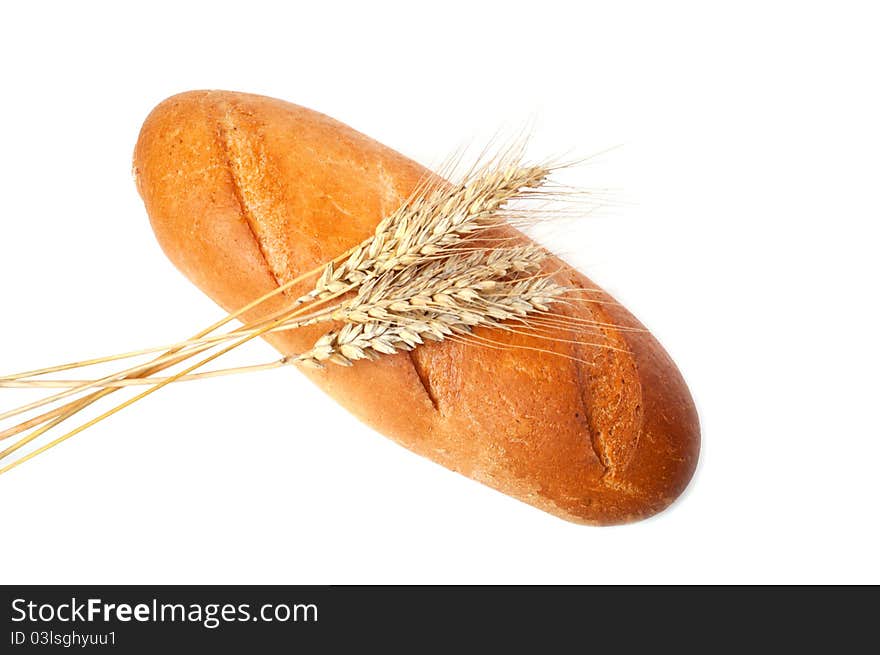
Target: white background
x=750 y=150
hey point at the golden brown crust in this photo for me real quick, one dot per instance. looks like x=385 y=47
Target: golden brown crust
x=245 y=192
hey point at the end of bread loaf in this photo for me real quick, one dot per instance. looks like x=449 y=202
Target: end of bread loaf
x=246 y=192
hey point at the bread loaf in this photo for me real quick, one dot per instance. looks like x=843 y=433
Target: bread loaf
x=246 y=192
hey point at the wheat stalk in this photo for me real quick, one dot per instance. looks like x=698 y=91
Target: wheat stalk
x=434 y=269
